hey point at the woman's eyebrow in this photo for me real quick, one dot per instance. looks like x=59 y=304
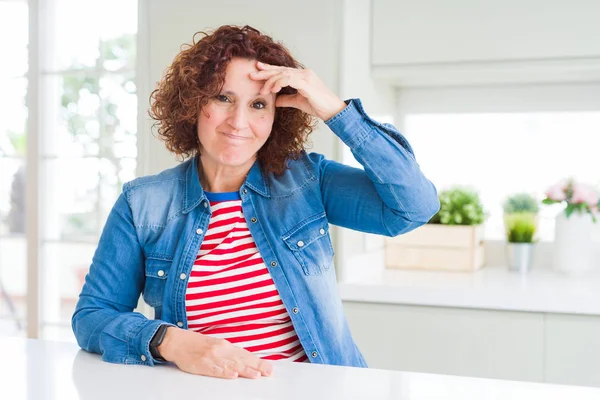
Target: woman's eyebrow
x=233 y=94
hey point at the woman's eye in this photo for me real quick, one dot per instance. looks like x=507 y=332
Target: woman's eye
x=259 y=105
x=222 y=98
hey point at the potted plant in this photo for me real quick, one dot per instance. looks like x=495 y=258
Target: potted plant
x=459 y=206
x=520 y=234
x=520 y=203
x=573 y=245
x=451 y=241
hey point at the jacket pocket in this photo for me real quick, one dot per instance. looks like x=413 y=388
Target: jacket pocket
x=157 y=271
x=310 y=243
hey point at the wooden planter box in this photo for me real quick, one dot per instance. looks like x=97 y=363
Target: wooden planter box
x=437 y=247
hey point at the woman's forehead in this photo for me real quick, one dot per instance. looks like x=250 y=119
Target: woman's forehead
x=238 y=81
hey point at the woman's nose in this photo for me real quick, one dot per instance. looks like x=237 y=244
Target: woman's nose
x=238 y=117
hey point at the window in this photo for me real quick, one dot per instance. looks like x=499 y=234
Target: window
x=499 y=139
x=88 y=145
x=504 y=153
x=89 y=140
x=13 y=253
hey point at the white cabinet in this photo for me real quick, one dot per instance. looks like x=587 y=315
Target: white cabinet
x=474 y=42
x=505 y=345
x=440 y=31
x=525 y=346
x=572 y=349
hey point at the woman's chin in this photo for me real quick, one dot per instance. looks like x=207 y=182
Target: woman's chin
x=237 y=160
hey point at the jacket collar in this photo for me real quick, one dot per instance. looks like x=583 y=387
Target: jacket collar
x=194 y=194
x=257 y=181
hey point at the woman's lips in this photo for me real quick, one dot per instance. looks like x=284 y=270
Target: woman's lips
x=235 y=137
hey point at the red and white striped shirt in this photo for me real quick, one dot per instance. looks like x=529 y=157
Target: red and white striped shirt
x=230 y=292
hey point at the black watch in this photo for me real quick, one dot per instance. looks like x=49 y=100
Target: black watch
x=156 y=341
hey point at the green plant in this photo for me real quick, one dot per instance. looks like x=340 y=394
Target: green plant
x=520 y=227
x=459 y=206
x=521 y=202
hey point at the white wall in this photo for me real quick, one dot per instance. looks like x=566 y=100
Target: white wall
x=355 y=66
x=379 y=99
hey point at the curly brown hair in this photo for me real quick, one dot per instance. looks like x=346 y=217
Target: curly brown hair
x=197 y=75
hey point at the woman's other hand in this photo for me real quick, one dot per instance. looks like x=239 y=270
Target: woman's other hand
x=204 y=355
x=313 y=96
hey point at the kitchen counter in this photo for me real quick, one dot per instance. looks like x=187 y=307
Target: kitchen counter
x=43 y=370
x=494 y=288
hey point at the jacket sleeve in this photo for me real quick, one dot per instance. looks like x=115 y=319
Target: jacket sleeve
x=390 y=195
x=104 y=321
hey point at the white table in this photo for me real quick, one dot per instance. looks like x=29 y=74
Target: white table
x=43 y=370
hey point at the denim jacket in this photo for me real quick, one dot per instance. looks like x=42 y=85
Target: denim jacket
x=153 y=233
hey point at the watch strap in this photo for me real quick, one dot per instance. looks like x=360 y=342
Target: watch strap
x=156 y=341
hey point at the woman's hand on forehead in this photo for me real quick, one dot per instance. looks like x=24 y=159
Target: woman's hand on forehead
x=313 y=96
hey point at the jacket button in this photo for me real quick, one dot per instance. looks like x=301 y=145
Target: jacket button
x=161 y=273
x=314 y=354
x=205 y=204
x=199 y=231
x=180 y=324
x=143 y=357
x=300 y=243
x=273 y=263
x=322 y=231
x=182 y=276
x=295 y=310
x=245 y=191
x=253 y=219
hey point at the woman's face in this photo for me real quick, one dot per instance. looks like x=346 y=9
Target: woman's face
x=235 y=124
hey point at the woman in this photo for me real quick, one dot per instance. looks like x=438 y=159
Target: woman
x=232 y=247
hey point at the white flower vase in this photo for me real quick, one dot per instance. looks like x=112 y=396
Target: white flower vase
x=573 y=244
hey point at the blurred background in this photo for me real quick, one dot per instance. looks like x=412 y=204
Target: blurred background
x=83 y=106
x=500 y=97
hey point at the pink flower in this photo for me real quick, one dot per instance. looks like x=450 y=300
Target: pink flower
x=584 y=194
x=558 y=192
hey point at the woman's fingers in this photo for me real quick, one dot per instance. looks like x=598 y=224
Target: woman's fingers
x=233 y=359
x=228 y=368
x=263 y=75
x=209 y=356
x=243 y=370
x=219 y=372
x=265 y=67
x=281 y=80
x=277 y=77
x=316 y=99
x=250 y=373
x=292 y=100
x=263 y=366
